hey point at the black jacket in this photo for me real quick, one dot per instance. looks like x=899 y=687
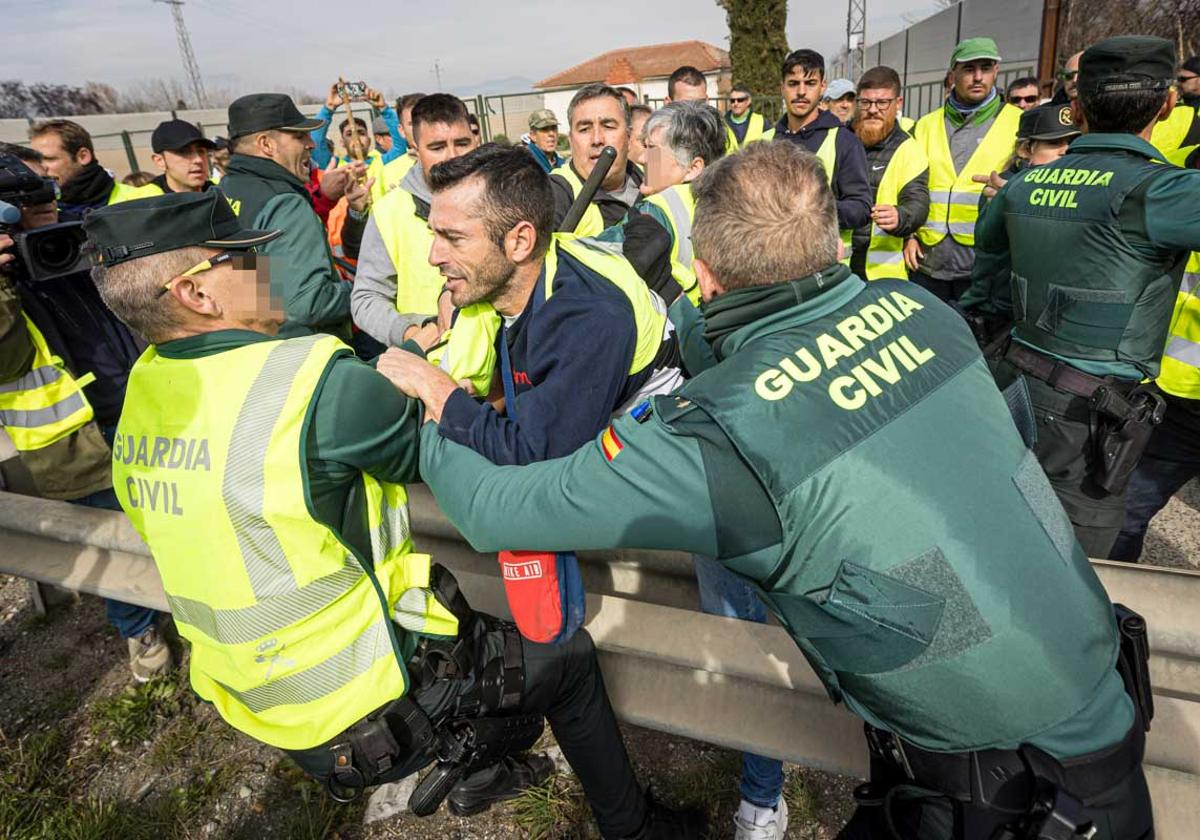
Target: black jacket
x=913 y=205
x=851 y=190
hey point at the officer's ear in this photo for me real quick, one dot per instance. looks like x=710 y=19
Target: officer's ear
x=159 y=161
x=520 y=242
x=710 y=287
x=189 y=293
x=1164 y=113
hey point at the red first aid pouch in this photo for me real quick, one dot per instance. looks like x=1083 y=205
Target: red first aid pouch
x=545 y=594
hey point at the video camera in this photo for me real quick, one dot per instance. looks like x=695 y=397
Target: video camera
x=47 y=252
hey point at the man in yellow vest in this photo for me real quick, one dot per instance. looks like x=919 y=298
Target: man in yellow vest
x=395 y=287
x=315 y=626
x=899 y=178
x=742 y=125
x=598 y=116
x=1172 y=458
x=973 y=133
x=1182 y=129
x=181 y=153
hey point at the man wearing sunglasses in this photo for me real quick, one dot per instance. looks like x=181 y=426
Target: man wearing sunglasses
x=1023 y=93
x=1182 y=129
x=742 y=125
x=275 y=508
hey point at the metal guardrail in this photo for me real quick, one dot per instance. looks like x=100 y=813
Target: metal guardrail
x=667 y=666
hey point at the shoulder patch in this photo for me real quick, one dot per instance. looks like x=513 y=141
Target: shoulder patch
x=611 y=443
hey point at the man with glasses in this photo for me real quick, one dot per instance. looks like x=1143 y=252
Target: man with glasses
x=265 y=184
x=899 y=176
x=1068 y=91
x=1023 y=93
x=742 y=125
x=973 y=133
x=1182 y=129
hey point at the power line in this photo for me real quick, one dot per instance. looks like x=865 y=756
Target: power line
x=185 y=51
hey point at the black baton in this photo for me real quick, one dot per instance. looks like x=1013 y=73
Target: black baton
x=599 y=172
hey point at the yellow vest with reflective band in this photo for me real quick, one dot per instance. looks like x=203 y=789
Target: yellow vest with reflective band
x=395 y=170
x=954 y=197
x=471 y=345
x=375 y=169
x=1180 y=371
x=756 y=130
x=123 y=192
x=294 y=635
x=408 y=239
x=591 y=223
x=679 y=206
x=827 y=154
x=47 y=403
x=1170 y=134
x=907 y=123
x=885 y=253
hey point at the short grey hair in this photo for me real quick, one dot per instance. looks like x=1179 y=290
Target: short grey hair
x=130 y=289
x=597 y=90
x=692 y=130
x=765 y=215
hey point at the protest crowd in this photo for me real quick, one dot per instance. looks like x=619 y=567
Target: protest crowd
x=890 y=381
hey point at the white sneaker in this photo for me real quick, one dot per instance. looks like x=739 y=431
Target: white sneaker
x=755 y=823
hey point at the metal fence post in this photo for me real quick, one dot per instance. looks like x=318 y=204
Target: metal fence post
x=130 y=155
x=485 y=120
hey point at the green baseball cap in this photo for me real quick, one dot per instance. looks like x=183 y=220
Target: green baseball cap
x=1047 y=122
x=974 y=49
x=133 y=229
x=543 y=118
x=1127 y=62
x=266 y=112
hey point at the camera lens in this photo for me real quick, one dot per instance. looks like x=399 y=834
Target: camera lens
x=55 y=253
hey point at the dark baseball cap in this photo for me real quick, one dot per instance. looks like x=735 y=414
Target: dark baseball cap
x=173 y=135
x=1047 y=122
x=1127 y=62
x=133 y=229
x=266 y=112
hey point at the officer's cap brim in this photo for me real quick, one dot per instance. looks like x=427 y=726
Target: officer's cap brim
x=304 y=125
x=242 y=239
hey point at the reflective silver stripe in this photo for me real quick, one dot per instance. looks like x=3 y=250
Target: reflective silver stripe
x=393 y=528
x=244 y=483
x=1182 y=350
x=410 y=610
x=320 y=680
x=245 y=624
x=950 y=197
x=604 y=247
x=939 y=196
x=884 y=257
x=35 y=417
x=36 y=378
x=963 y=227
x=1190 y=279
x=683 y=225
x=938 y=227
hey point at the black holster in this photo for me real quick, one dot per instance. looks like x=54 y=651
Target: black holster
x=1125 y=424
x=1133 y=662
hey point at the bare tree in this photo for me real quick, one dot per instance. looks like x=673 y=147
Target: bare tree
x=1084 y=22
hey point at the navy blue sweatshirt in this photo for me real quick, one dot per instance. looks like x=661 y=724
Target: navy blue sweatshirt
x=851 y=188
x=570 y=359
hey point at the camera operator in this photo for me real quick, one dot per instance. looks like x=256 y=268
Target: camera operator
x=60 y=415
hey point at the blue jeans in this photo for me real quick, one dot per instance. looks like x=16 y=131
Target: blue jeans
x=130 y=620
x=724 y=593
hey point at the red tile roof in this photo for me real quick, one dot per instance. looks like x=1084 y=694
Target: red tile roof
x=635 y=64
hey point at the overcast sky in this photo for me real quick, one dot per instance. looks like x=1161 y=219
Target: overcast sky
x=305 y=44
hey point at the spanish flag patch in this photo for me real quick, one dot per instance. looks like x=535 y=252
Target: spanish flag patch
x=611 y=443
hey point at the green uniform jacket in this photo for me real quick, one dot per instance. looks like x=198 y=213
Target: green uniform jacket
x=268 y=197
x=850 y=457
x=1098 y=241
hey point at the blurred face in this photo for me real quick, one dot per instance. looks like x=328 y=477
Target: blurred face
x=437 y=142
x=843 y=108
x=802 y=92
x=739 y=102
x=1047 y=151
x=475 y=267
x=974 y=80
x=876 y=114
x=689 y=93
x=240 y=291
x=186 y=169
x=597 y=123
x=545 y=139
x=1025 y=98
x=637 y=151
x=662 y=167
x=1070 y=76
x=59 y=165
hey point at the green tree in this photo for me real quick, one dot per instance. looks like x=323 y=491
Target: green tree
x=757 y=41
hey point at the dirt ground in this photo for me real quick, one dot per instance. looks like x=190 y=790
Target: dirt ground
x=86 y=755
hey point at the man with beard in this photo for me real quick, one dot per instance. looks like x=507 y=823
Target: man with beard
x=899 y=177
x=973 y=133
x=265 y=183
x=70 y=159
x=598 y=116
x=820 y=132
x=181 y=152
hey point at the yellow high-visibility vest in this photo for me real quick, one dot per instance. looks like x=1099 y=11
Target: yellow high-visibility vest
x=679 y=206
x=885 y=253
x=757 y=129
x=954 y=196
x=591 y=223
x=1172 y=132
x=1180 y=371
x=827 y=154
x=375 y=169
x=123 y=192
x=47 y=403
x=408 y=239
x=295 y=636
x=395 y=170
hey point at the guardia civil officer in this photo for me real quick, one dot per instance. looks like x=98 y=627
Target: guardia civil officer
x=1098 y=241
x=830 y=458
x=315 y=627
